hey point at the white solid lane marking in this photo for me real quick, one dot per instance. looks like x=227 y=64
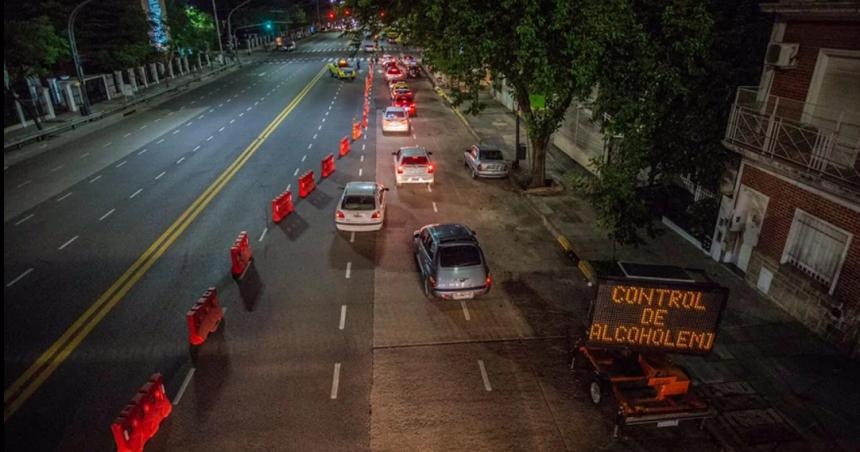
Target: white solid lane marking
x=181 y=159
x=348 y=269
x=26 y=182
x=342 y=317
x=56 y=168
x=352 y=237
x=263 y=235
x=335 y=381
x=210 y=137
x=64 y=196
x=109 y=212
x=184 y=386
x=484 y=375
x=127 y=135
x=465 y=310
x=435 y=209
x=304 y=157
x=69 y=242
x=143 y=151
x=160 y=175
x=196 y=148
x=22 y=220
x=135 y=193
x=107 y=144
x=296 y=173
x=84 y=155
x=222 y=128
x=121 y=163
x=20 y=277
x=176 y=131
x=160 y=141
x=360 y=170
x=96 y=178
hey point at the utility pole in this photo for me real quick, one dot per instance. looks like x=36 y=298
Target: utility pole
x=85 y=101
x=230 y=29
x=218 y=33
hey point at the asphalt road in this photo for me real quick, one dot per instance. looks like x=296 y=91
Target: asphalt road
x=204 y=168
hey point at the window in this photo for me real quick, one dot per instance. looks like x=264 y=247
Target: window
x=816 y=247
x=358 y=202
x=460 y=256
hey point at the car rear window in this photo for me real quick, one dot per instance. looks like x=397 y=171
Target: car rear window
x=404 y=98
x=395 y=114
x=414 y=160
x=358 y=202
x=492 y=155
x=459 y=256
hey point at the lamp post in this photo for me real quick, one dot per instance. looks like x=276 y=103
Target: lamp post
x=230 y=29
x=218 y=33
x=85 y=101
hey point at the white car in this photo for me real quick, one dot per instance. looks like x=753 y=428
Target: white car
x=369 y=48
x=361 y=207
x=412 y=165
x=396 y=119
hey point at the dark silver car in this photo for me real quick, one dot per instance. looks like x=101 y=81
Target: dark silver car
x=451 y=262
x=485 y=160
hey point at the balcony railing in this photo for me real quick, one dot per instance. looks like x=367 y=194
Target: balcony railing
x=802 y=134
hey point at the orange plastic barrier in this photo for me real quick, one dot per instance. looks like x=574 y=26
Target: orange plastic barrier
x=204 y=317
x=240 y=254
x=344 y=146
x=306 y=184
x=356 y=130
x=364 y=120
x=327 y=165
x=282 y=206
x=139 y=420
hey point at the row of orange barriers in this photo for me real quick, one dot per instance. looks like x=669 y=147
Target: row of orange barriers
x=140 y=419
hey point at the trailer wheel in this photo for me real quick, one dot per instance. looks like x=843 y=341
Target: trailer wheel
x=597 y=390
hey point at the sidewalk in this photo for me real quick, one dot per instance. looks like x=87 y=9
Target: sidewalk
x=776 y=384
x=20 y=137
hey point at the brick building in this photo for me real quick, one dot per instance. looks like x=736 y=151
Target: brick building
x=792 y=224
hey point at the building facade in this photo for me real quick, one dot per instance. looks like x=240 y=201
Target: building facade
x=792 y=224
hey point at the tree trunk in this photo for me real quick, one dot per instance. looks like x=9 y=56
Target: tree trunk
x=538 y=162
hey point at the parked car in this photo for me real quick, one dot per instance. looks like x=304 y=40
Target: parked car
x=412 y=165
x=361 y=207
x=396 y=119
x=485 y=160
x=451 y=262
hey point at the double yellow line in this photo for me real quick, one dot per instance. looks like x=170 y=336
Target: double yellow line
x=27 y=384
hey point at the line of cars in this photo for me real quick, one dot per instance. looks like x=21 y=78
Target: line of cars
x=448 y=256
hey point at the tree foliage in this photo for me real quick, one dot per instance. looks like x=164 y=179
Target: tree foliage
x=113 y=34
x=32 y=47
x=189 y=27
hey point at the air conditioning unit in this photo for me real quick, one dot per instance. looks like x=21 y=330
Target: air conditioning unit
x=781 y=54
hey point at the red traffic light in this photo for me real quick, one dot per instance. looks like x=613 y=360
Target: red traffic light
x=382 y=14
x=346 y=11
x=331 y=15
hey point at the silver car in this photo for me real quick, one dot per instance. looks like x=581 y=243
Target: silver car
x=451 y=262
x=361 y=207
x=485 y=160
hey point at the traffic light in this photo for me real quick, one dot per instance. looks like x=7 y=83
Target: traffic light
x=331 y=15
x=346 y=12
x=267 y=25
x=382 y=13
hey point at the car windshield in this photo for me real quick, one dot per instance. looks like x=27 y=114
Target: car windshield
x=459 y=256
x=358 y=202
x=491 y=155
x=414 y=160
x=399 y=114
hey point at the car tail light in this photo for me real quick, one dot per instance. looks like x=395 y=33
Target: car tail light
x=399 y=169
x=340 y=214
x=430 y=168
x=375 y=215
x=489 y=281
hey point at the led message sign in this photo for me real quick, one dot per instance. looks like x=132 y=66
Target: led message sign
x=656 y=316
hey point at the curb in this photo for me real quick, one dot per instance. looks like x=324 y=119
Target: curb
x=42 y=134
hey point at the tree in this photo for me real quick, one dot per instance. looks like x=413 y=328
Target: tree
x=30 y=48
x=666 y=80
x=114 y=34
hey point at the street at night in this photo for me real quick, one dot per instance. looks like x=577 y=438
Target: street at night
x=506 y=279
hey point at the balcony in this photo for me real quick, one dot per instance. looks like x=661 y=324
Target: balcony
x=799 y=136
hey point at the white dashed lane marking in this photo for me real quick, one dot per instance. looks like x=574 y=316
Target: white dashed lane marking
x=160 y=141
x=135 y=193
x=121 y=163
x=142 y=151
x=196 y=148
x=84 y=155
x=435 y=209
x=20 y=277
x=296 y=173
x=64 y=196
x=56 y=168
x=304 y=157
x=181 y=159
x=221 y=129
x=335 y=381
x=342 y=323
x=127 y=135
x=348 y=269
x=96 y=178
x=22 y=184
x=210 y=137
x=68 y=242
x=484 y=376
x=22 y=220
x=109 y=212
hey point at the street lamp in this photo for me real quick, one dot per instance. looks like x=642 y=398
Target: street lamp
x=218 y=33
x=85 y=101
x=230 y=29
